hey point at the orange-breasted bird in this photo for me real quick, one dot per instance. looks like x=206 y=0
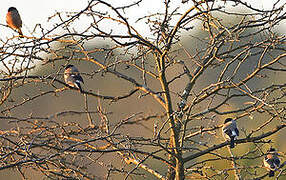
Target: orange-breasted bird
x=230 y=131
x=14 y=20
x=271 y=161
x=72 y=77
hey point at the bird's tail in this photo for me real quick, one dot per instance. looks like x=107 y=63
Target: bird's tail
x=271 y=173
x=80 y=89
x=231 y=142
x=20 y=33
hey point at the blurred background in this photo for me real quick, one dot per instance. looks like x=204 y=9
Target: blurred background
x=35 y=12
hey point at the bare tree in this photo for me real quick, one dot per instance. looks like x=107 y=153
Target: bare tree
x=152 y=105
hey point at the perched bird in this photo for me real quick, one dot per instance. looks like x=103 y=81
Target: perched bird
x=13 y=20
x=271 y=161
x=72 y=77
x=230 y=131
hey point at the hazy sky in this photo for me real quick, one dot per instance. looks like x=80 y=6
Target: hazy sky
x=37 y=11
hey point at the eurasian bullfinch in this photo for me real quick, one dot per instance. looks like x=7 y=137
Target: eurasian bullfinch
x=72 y=77
x=271 y=161
x=230 y=131
x=13 y=20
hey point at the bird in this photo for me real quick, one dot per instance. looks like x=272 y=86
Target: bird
x=230 y=131
x=14 y=21
x=271 y=161
x=72 y=77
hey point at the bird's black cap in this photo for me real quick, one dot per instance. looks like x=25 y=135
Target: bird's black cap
x=11 y=9
x=69 y=66
x=228 y=120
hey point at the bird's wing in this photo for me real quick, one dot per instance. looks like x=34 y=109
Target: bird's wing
x=277 y=161
x=77 y=77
